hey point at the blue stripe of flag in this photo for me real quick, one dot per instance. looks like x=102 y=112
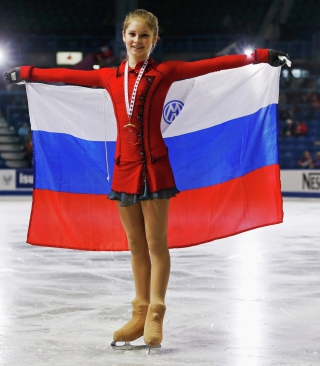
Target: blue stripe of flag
x=199 y=159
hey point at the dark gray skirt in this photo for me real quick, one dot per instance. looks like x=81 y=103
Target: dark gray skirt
x=130 y=199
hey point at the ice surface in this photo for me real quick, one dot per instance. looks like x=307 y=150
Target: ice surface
x=249 y=300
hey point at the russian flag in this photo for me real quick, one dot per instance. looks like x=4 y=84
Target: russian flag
x=221 y=131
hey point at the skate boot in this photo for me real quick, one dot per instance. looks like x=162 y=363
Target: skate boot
x=134 y=328
x=153 y=325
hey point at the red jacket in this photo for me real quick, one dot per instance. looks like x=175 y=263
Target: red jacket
x=141 y=152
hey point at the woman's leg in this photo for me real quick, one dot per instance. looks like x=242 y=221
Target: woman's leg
x=133 y=222
x=155 y=213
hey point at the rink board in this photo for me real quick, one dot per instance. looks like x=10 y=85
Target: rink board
x=295 y=183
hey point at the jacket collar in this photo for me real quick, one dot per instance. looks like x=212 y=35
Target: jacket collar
x=121 y=67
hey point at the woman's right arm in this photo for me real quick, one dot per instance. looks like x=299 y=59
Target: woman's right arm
x=93 y=78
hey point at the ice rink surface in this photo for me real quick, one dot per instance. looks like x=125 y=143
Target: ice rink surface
x=249 y=300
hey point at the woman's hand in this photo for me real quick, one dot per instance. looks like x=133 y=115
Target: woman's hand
x=12 y=76
x=274 y=60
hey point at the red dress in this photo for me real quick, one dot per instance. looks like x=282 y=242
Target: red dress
x=141 y=154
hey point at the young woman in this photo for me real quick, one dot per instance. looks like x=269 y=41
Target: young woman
x=143 y=181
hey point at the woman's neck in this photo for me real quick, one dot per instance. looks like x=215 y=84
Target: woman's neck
x=133 y=62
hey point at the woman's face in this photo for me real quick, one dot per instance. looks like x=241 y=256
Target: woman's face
x=138 y=39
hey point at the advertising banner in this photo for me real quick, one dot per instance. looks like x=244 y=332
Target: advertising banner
x=16 y=181
x=7 y=179
x=24 y=178
x=300 y=182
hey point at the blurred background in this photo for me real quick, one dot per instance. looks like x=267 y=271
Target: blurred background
x=87 y=35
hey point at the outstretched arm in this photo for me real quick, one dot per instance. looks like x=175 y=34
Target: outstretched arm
x=92 y=78
x=185 y=70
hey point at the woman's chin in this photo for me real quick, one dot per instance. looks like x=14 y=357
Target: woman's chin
x=137 y=51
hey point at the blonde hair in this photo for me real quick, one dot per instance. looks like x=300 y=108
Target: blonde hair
x=149 y=18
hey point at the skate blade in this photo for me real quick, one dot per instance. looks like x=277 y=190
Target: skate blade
x=129 y=346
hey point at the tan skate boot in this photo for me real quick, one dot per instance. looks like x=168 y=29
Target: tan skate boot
x=134 y=328
x=153 y=325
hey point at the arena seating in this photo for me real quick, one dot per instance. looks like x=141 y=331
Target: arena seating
x=186 y=18
x=63 y=17
x=57 y=25
x=292 y=147
x=302 y=23
x=58 y=17
x=12 y=151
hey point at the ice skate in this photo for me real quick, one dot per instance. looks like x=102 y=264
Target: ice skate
x=133 y=329
x=153 y=325
x=129 y=346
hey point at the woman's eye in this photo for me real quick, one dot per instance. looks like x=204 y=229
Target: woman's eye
x=131 y=34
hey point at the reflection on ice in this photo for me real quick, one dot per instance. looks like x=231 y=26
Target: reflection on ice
x=249 y=300
x=248 y=273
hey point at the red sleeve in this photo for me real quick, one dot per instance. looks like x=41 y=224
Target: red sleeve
x=185 y=70
x=261 y=55
x=75 y=77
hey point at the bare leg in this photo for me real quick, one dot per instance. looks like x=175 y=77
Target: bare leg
x=133 y=223
x=146 y=225
x=155 y=213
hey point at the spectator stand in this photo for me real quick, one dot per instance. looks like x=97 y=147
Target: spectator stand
x=13 y=146
x=299 y=102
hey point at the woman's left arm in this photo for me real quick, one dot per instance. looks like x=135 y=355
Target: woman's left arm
x=186 y=70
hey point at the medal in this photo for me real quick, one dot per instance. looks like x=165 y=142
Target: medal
x=129 y=108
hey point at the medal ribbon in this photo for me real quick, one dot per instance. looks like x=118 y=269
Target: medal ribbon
x=129 y=108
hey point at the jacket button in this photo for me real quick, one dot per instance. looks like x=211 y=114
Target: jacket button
x=139 y=135
x=141 y=153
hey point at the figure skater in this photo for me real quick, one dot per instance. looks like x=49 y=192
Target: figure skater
x=143 y=181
